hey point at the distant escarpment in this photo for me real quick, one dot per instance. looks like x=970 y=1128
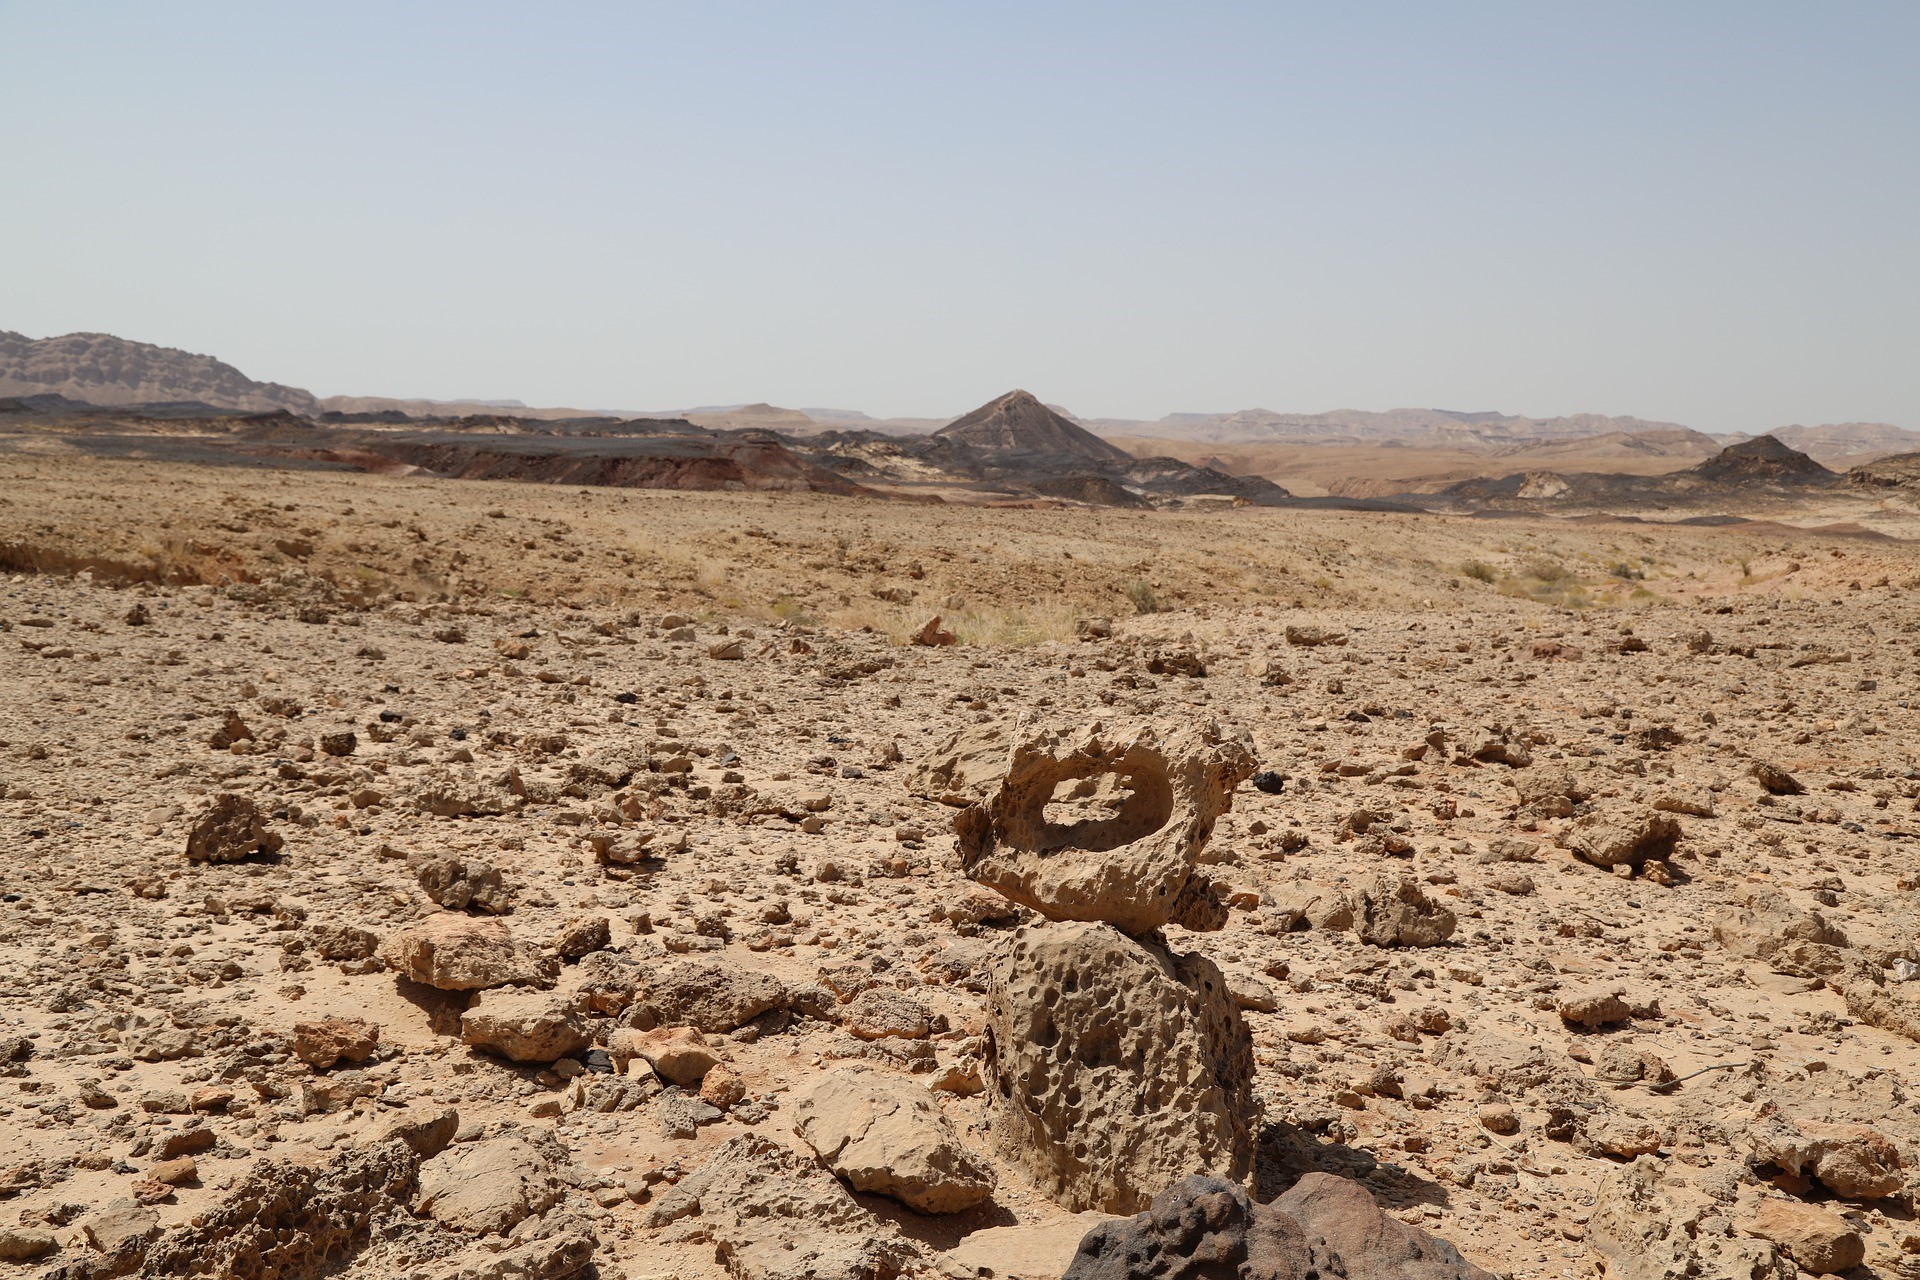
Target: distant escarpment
x=101 y=369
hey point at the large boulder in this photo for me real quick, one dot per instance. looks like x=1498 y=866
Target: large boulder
x=1551 y=792
x=1624 y=839
x=887 y=1135
x=1112 y=1065
x=326 y=1042
x=464 y=953
x=229 y=829
x=879 y=1013
x=774 y=1214
x=1107 y=827
x=1340 y=1218
x=525 y=1025
x=1325 y=1226
x=1767 y=923
x=707 y=995
x=678 y=1055
x=1819 y=1241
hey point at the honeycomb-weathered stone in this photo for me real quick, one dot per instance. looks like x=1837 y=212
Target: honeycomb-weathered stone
x=1122 y=845
x=1114 y=1067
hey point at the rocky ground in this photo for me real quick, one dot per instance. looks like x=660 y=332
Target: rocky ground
x=588 y=894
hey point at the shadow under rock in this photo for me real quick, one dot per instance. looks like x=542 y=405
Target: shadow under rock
x=443 y=1008
x=1287 y=1153
x=939 y=1232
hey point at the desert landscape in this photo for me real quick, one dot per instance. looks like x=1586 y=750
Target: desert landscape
x=466 y=842
x=960 y=641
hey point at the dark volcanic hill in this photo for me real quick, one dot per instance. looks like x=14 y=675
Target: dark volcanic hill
x=1018 y=423
x=1761 y=460
x=1760 y=467
x=102 y=369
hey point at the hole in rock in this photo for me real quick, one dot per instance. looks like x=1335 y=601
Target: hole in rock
x=1101 y=809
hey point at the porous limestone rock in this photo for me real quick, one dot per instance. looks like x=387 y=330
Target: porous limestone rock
x=1645 y=1230
x=706 y=995
x=678 y=1055
x=887 y=1135
x=449 y=794
x=963 y=769
x=1550 y=792
x=1122 y=844
x=283 y=1219
x=1818 y=1240
x=1764 y=923
x=1341 y=1219
x=1853 y=1161
x=229 y=829
x=328 y=1041
x=1113 y=1065
x=457 y=883
x=1393 y=911
x=1624 y=839
x=881 y=1012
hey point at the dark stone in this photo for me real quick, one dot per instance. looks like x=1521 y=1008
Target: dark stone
x=1208 y=1229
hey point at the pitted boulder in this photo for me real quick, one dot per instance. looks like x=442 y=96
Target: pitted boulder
x=1114 y=1065
x=1199 y=1227
x=229 y=829
x=1324 y=1227
x=1108 y=827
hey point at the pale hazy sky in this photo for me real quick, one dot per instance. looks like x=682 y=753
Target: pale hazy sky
x=1702 y=212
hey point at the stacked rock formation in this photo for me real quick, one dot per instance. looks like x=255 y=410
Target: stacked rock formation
x=1114 y=1065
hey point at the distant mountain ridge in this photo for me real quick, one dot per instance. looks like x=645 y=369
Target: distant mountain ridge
x=1480 y=428
x=101 y=369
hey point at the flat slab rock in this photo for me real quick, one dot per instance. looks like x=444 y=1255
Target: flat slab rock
x=774 y=1214
x=453 y=952
x=488 y=1187
x=887 y=1135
